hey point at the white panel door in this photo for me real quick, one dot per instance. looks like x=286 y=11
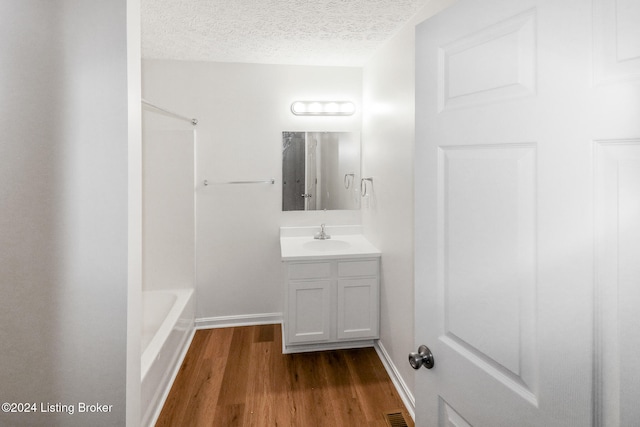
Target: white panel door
x=616 y=139
x=527 y=132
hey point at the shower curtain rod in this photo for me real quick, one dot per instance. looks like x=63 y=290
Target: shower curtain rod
x=192 y=121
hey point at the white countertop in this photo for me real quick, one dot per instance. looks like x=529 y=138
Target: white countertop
x=299 y=244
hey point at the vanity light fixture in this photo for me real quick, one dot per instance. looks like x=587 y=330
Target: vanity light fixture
x=323 y=108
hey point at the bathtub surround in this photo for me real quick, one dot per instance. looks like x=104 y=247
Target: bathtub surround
x=168 y=301
x=168 y=202
x=64 y=221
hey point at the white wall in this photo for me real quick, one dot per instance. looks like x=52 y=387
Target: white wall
x=388 y=144
x=63 y=211
x=242 y=110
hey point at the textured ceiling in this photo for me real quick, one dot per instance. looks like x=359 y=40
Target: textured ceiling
x=306 y=32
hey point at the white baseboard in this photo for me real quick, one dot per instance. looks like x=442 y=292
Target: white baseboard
x=396 y=378
x=239 y=320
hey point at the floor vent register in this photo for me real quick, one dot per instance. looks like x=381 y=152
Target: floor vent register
x=397 y=419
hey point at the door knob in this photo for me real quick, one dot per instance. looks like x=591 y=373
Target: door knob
x=423 y=357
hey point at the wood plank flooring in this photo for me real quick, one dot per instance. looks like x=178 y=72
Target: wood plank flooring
x=239 y=377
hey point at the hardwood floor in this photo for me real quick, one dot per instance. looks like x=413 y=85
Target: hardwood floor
x=239 y=377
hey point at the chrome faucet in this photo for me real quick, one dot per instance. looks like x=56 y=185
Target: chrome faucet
x=322 y=235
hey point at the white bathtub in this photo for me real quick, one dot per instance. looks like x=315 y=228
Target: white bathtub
x=167 y=330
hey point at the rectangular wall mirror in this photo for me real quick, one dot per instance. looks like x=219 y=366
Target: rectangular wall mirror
x=320 y=170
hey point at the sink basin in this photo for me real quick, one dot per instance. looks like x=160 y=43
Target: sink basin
x=298 y=244
x=326 y=245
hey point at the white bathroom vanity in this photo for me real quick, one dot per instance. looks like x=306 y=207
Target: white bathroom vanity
x=332 y=289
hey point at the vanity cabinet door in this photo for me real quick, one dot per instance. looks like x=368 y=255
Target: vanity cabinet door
x=357 y=308
x=309 y=311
